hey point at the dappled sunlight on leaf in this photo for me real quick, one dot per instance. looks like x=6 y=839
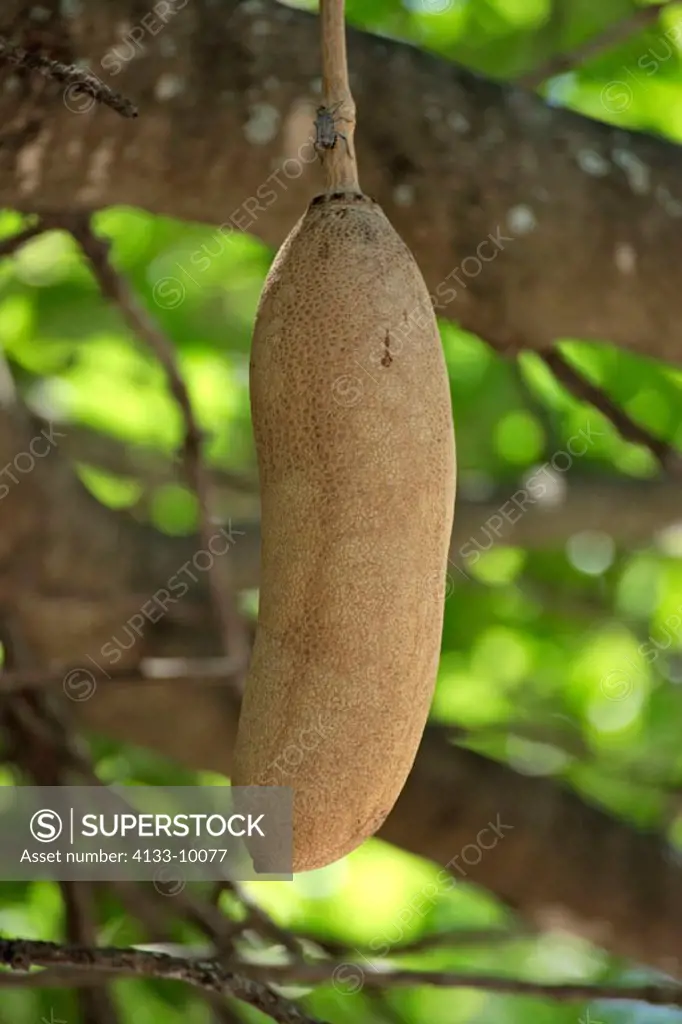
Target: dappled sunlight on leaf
x=466 y=698
x=639 y=586
x=173 y=509
x=47 y=260
x=519 y=438
x=502 y=654
x=498 y=566
x=16 y=320
x=113 y=491
x=534 y=758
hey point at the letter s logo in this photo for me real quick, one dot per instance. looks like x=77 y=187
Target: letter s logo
x=46 y=826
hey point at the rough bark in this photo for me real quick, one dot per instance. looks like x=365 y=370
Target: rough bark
x=586 y=217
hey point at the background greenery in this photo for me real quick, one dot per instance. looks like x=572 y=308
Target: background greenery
x=529 y=636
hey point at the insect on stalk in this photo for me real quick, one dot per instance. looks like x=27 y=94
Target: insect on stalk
x=326 y=132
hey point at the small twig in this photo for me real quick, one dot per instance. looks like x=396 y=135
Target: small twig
x=611 y=36
x=586 y=391
x=117 y=291
x=223 y=932
x=156 y=913
x=259 y=919
x=98 y=965
x=68 y=75
x=148 y=907
x=459 y=937
x=549 y=34
x=372 y=976
x=219 y=928
x=336 y=149
x=8 y=246
x=546 y=416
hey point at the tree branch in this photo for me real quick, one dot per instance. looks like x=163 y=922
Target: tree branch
x=117 y=291
x=8 y=246
x=611 y=36
x=482 y=180
x=584 y=390
x=77 y=79
x=248 y=982
x=104 y=963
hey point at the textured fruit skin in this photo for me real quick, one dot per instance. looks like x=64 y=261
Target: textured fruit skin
x=353 y=427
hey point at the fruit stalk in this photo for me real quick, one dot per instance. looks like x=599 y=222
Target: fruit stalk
x=338 y=160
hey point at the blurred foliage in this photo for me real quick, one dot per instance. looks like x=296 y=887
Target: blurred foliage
x=530 y=637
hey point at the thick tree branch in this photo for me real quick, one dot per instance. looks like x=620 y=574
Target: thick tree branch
x=488 y=185
x=208 y=975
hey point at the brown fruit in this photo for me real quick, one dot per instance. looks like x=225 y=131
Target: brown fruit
x=353 y=427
